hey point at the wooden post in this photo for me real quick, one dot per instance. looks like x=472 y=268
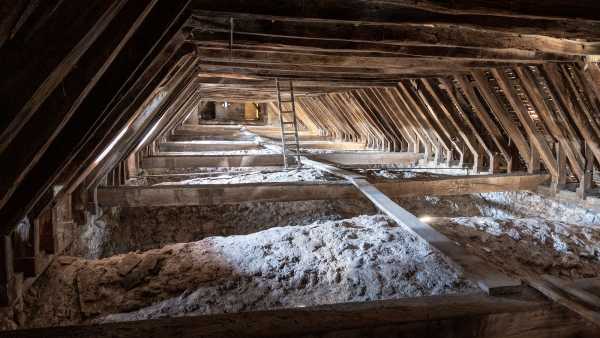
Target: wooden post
x=45 y=223
x=585 y=181
x=26 y=251
x=533 y=166
x=6 y=271
x=560 y=180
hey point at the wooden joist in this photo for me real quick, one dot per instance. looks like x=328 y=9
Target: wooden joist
x=369 y=158
x=467 y=316
x=269 y=160
x=208 y=146
x=203 y=161
x=175 y=195
x=215 y=194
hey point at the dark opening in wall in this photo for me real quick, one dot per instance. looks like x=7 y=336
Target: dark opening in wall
x=208 y=112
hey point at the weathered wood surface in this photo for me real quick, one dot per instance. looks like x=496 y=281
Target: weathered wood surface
x=554 y=289
x=189 y=161
x=215 y=194
x=130 y=59
x=369 y=158
x=208 y=146
x=178 y=161
x=461 y=185
x=473 y=316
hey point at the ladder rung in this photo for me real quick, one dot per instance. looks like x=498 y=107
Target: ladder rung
x=285 y=122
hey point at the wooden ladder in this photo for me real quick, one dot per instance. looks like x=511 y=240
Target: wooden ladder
x=290 y=144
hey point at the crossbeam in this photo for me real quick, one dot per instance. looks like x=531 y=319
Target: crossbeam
x=178 y=161
x=216 y=194
x=435 y=316
x=208 y=146
x=346 y=158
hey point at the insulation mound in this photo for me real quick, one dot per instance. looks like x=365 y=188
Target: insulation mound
x=295 y=175
x=527 y=204
x=359 y=259
x=525 y=246
x=121 y=230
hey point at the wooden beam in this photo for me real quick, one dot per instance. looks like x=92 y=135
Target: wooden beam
x=348 y=159
x=385 y=55
x=413 y=114
x=203 y=161
x=558 y=124
x=502 y=115
x=413 y=132
x=448 y=121
x=89 y=111
x=58 y=108
x=258 y=47
x=208 y=146
x=369 y=158
x=151 y=72
x=536 y=138
x=7 y=274
x=463 y=35
x=472 y=132
x=470 y=316
x=581 y=121
x=161 y=105
x=485 y=119
x=28 y=79
x=215 y=194
x=543 y=18
x=550 y=288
